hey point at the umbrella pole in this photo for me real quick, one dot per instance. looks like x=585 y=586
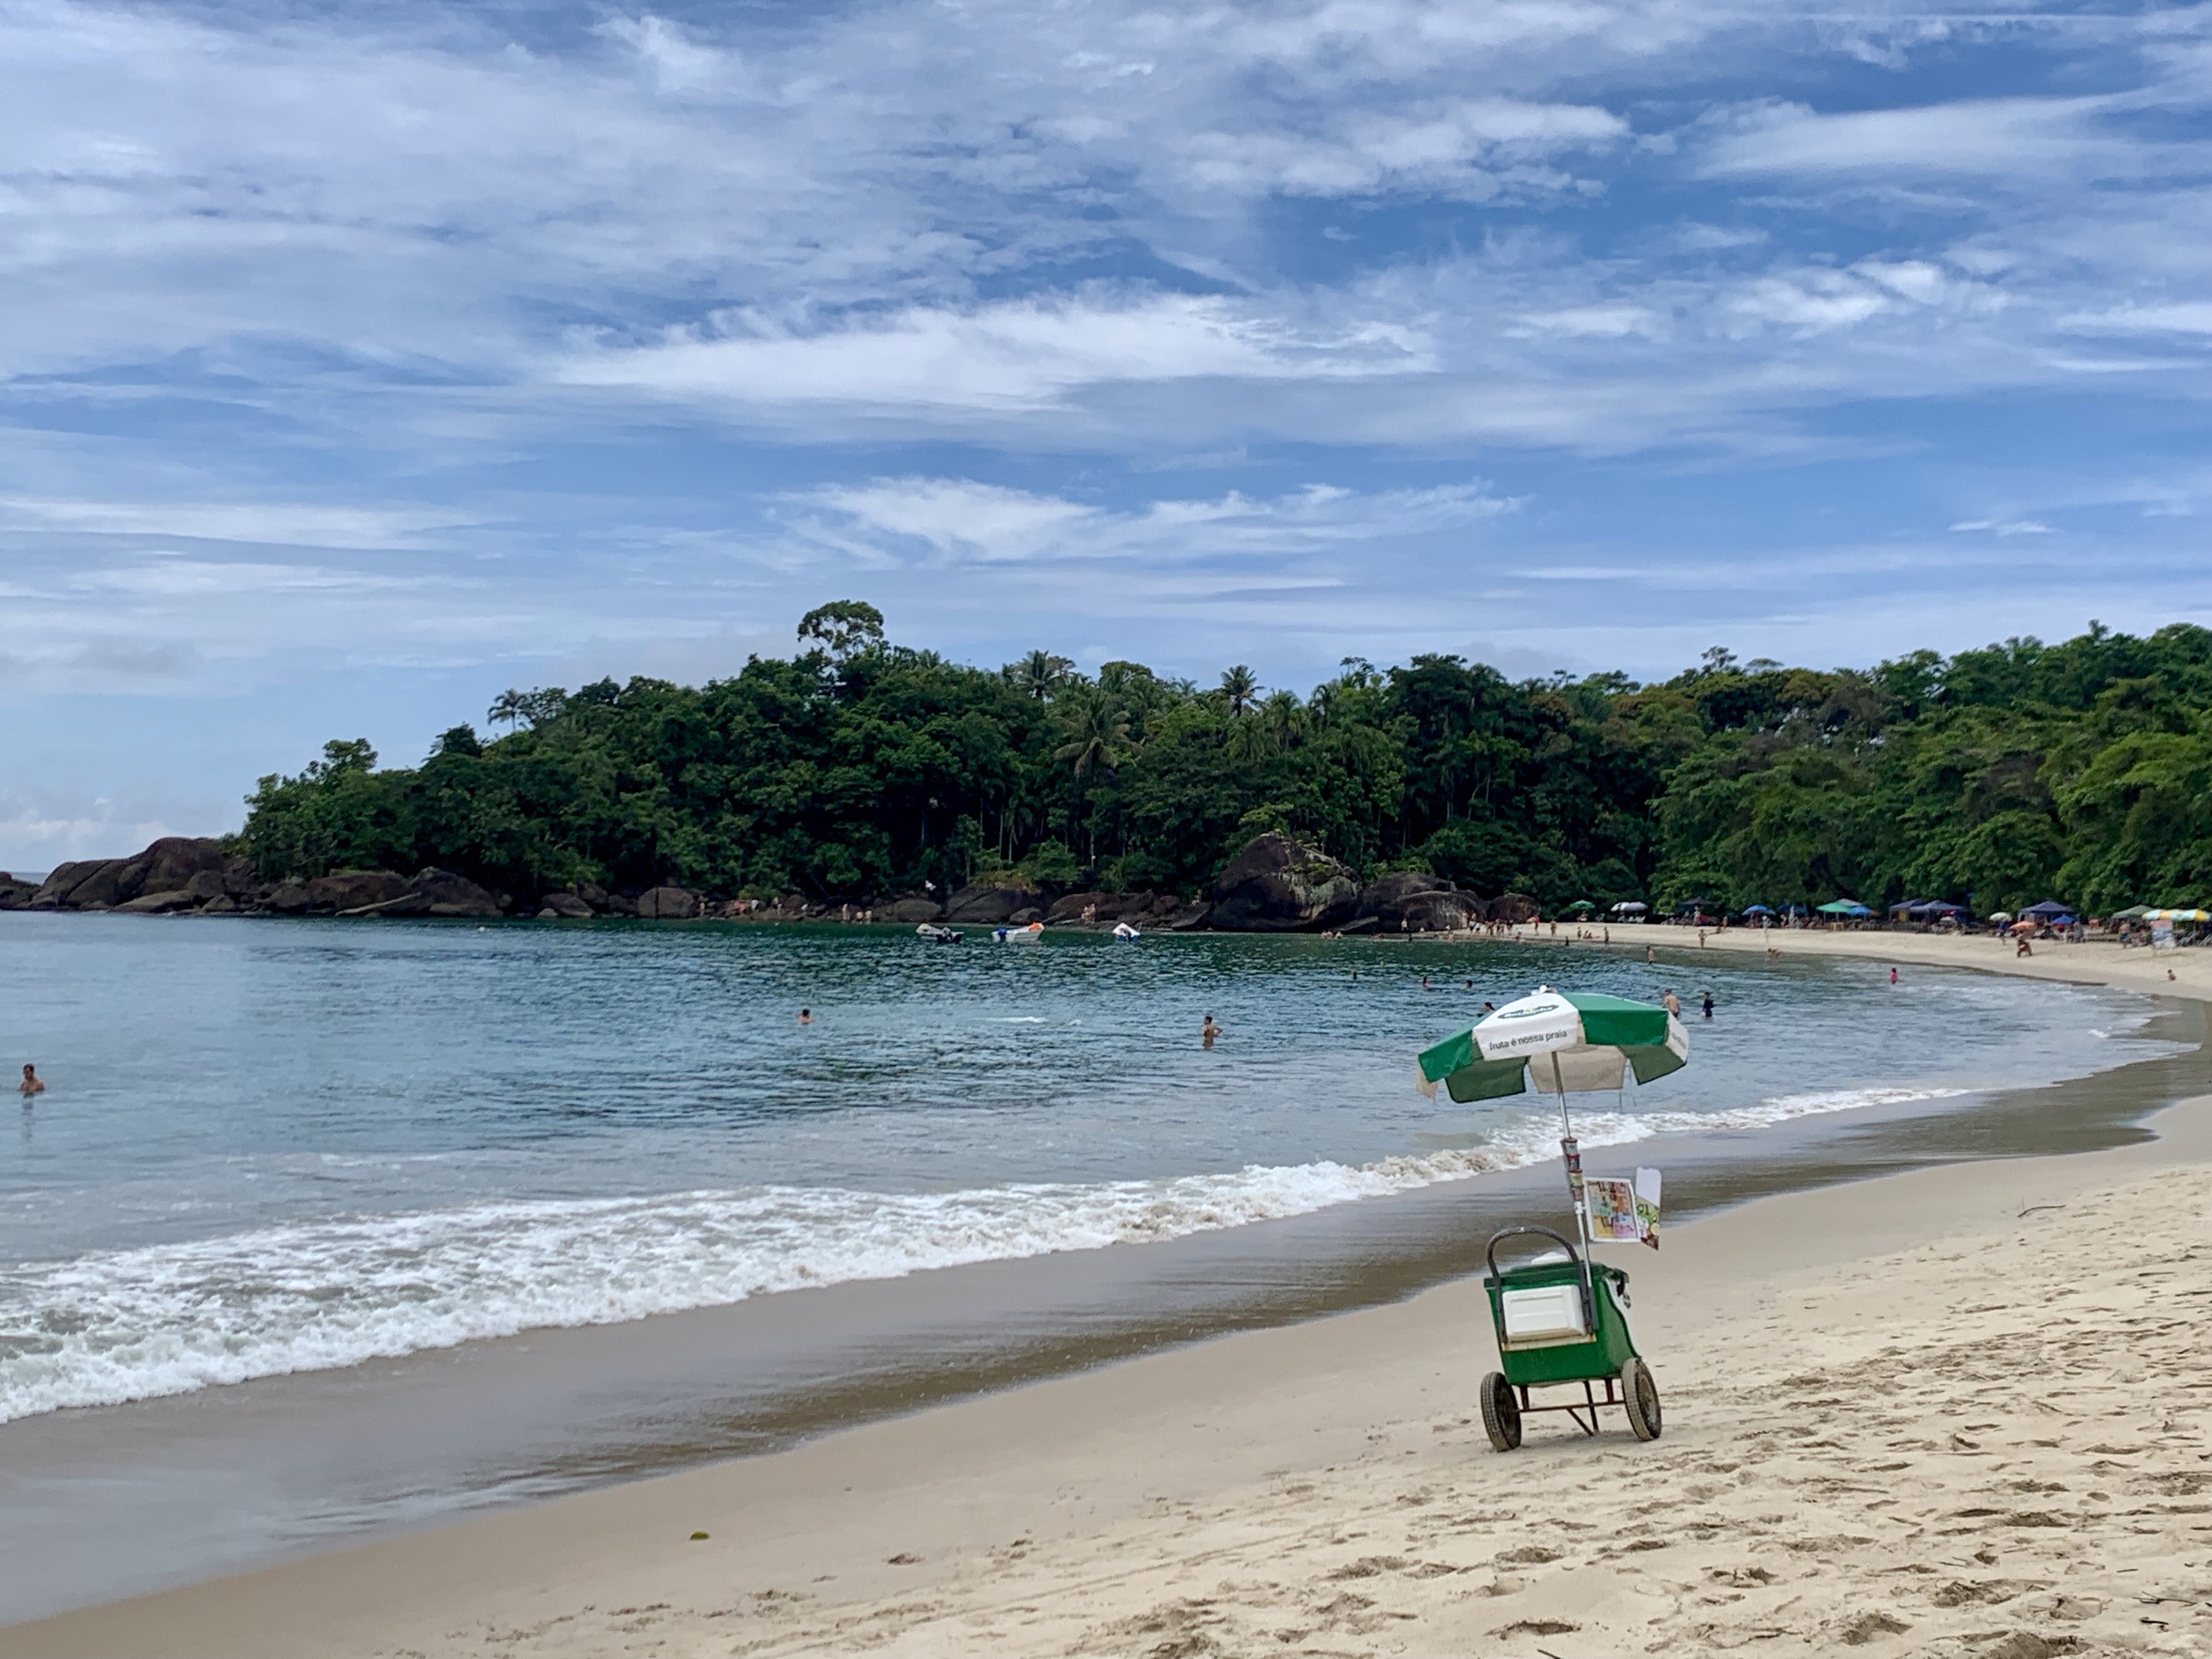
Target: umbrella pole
x=1572 y=1153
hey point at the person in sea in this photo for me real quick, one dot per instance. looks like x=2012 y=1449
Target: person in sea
x=806 y=1017
x=30 y=1084
x=1671 y=1004
x=1207 y=1032
x=1708 y=1004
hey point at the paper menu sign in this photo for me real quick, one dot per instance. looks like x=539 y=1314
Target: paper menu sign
x=1623 y=1212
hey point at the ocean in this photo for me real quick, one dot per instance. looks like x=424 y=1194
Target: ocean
x=281 y=1146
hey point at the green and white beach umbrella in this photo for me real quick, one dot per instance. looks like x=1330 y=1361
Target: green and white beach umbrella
x=1557 y=1042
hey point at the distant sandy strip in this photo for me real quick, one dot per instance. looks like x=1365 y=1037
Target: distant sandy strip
x=1962 y=1410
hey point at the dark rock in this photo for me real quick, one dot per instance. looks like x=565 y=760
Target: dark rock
x=668 y=904
x=592 y=894
x=1430 y=913
x=1279 y=885
x=16 y=894
x=85 y=884
x=1192 y=919
x=1070 y=907
x=563 y=904
x=1512 y=908
x=1025 y=917
x=988 y=906
x=221 y=905
x=1400 y=884
x=449 y=894
x=287 y=898
x=208 y=884
x=352 y=890
x=622 y=904
x=157 y=905
x=1361 y=925
x=168 y=865
x=910 y=910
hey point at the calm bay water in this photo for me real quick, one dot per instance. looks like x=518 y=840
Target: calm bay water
x=282 y=1147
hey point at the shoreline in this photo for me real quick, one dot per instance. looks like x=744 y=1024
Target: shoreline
x=1006 y=1464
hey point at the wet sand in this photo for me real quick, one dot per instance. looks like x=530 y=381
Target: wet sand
x=1155 y=1501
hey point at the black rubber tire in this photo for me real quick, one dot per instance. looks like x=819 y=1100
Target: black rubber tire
x=1501 y=1413
x=1641 y=1395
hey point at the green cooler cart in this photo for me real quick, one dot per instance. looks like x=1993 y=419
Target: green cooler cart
x=1561 y=1322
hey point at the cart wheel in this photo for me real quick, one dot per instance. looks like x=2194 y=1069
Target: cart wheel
x=1501 y=1413
x=1641 y=1395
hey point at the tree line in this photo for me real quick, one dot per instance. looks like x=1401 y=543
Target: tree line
x=859 y=769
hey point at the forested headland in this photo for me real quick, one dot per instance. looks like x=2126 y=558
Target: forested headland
x=859 y=769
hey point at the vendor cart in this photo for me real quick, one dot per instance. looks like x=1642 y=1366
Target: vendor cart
x=1561 y=1323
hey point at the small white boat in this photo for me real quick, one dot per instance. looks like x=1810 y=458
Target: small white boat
x=1028 y=935
x=1122 y=930
x=937 y=935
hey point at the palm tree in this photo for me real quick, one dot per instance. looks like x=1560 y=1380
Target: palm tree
x=1240 y=685
x=1284 y=717
x=1040 y=673
x=1096 y=729
x=507 y=708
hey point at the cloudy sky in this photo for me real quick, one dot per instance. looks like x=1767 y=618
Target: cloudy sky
x=358 y=362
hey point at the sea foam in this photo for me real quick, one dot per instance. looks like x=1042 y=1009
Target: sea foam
x=109 y=1327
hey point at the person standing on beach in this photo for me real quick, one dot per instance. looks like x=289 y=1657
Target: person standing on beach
x=1671 y=1004
x=1207 y=1032
x=30 y=1085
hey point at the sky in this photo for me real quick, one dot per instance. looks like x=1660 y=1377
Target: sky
x=359 y=362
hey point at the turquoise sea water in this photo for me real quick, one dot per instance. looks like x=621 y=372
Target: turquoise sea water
x=272 y=1146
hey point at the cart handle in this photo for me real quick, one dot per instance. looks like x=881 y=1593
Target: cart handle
x=1509 y=1232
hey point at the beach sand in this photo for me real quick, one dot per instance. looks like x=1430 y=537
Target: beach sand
x=1965 y=1410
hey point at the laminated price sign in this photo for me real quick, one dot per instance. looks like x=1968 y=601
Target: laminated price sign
x=1623 y=1212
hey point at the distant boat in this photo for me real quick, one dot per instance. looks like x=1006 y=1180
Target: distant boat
x=937 y=935
x=1122 y=930
x=1028 y=935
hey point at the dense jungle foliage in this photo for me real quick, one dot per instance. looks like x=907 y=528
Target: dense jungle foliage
x=861 y=769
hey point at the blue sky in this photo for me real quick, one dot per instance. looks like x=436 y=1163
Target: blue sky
x=357 y=363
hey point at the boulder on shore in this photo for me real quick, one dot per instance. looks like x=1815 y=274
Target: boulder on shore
x=668 y=904
x=157 y=905
x=287 y=898
x=987 y=905
x=352 y=890
x=16 y=894
x=1380 y=894
x=910 y=910
x=1280 y=885
x=563 y=904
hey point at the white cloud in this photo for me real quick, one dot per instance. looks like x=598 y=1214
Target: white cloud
x=1990 y=137
x=959 y=520
x=286 y=524
x=1019 y=354
x=2004 y=526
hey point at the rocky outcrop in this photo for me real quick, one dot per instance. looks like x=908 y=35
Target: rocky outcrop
x=1416 y=902
x=287 y=898
x=350 y=891
x=668 y=904
x=16 y=894
x=433 y=892
x=1280 y=885
x=1107 y=908
x=563 y=905
x=171 y=864
x=910 y=910
x=1512 y=908
x=987 y=906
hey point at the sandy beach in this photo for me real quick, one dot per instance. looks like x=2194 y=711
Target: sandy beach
x=1962 y=1410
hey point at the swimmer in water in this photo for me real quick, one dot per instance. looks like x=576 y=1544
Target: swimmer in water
x=806 y=1017
x=1671 y=1004
x=30 y=1084
x=1207 y=1032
